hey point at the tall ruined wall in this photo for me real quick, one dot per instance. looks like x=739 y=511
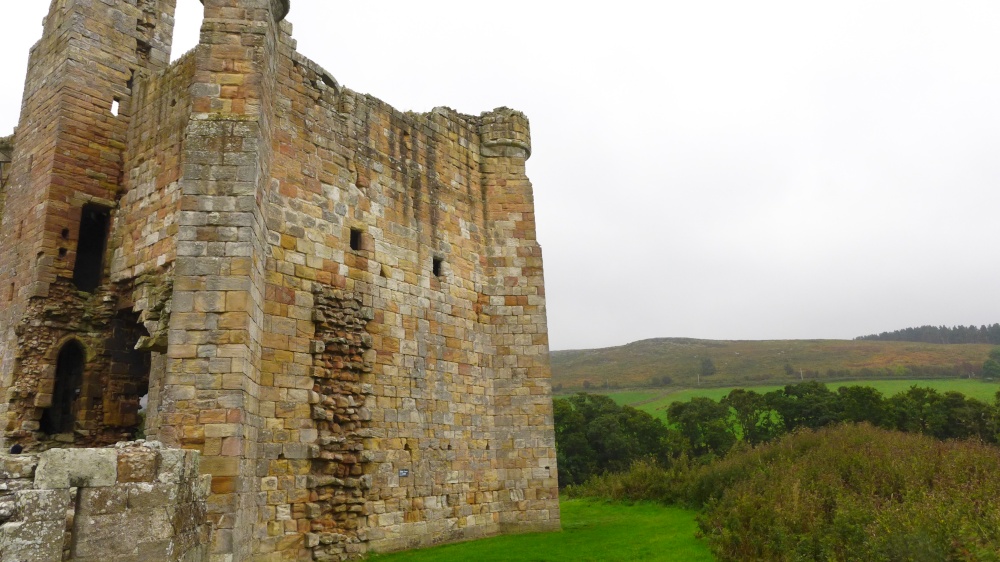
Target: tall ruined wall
x=424 y=224
x=513 y=314
x=134 y=502
x=147 y=225
x=66 y=178
x=338 y=304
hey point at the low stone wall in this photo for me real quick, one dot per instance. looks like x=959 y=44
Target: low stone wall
x=136 y=502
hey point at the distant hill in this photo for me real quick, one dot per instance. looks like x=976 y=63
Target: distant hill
x=680 y=360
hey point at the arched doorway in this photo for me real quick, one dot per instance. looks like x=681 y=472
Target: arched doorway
x=61 y=415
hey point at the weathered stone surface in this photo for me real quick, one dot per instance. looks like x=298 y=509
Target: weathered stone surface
x=35 y=541
x=340 y=305
x=43 y=505
x=68 y=468
x=19 y=466
x=138 y=464
x=117 y=521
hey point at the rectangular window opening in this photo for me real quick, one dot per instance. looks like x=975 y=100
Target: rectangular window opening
x=438 y=267
x=355 y=239
x=89 y=266
x=114 y=107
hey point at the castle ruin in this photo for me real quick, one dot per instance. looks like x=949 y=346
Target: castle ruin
x=339 y=305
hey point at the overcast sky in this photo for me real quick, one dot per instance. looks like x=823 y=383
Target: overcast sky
x=710 y=169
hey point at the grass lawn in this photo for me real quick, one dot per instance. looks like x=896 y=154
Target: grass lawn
x=592 y=531
x=983 y=391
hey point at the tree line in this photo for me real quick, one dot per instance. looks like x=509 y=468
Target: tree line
x=941 y=334
x=595 y=435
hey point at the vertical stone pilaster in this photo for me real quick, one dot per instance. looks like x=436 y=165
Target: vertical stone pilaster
x=212 y=380
x=514 y=305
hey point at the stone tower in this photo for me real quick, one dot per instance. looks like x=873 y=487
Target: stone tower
x=340 y=305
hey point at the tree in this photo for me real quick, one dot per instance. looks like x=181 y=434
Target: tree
x=862 y=404
x=806 y=404
x=596 y=435
x=753 y=419
x=707 y=367
x=918 y=410
x=991 y=368
x=704 y=423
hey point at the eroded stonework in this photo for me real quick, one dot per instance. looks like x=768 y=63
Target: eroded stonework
x=135 y=502
x=339 y=305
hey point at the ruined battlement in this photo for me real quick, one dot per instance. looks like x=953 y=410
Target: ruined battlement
x=339 y=305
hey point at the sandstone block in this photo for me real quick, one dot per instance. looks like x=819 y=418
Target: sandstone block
x=137 y=465
x=17 y=466
x=65 y=468
x=34 y=541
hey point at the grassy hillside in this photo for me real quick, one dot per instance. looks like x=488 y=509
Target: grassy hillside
x=740 y=363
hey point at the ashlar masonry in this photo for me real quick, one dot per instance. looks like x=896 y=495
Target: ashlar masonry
x=339 y=305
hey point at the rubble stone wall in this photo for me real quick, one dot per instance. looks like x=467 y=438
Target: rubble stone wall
x=134 y=502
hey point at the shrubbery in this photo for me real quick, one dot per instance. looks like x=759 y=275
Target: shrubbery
x=853 y=492
x=802 y=473
x=843 y=493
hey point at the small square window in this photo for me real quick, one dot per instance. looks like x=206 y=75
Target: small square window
x=355 y=239
x=438 y=267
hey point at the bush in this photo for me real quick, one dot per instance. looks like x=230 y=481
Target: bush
x=852 y=492
x=645 y=480
x=595 y=435
x=842 y=493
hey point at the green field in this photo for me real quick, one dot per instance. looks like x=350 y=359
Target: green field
x=656 y=403
x=592 y=531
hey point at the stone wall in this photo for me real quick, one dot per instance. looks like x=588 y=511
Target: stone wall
x=67 y=163
x=6 y=152
x=134 y=502
x=338 y=304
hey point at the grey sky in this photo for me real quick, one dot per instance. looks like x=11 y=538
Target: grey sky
x=717 y=169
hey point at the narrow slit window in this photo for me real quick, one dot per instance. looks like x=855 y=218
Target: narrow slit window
x=89 y=265
x=114 y=107
x=438 y=267
x=355 y=239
